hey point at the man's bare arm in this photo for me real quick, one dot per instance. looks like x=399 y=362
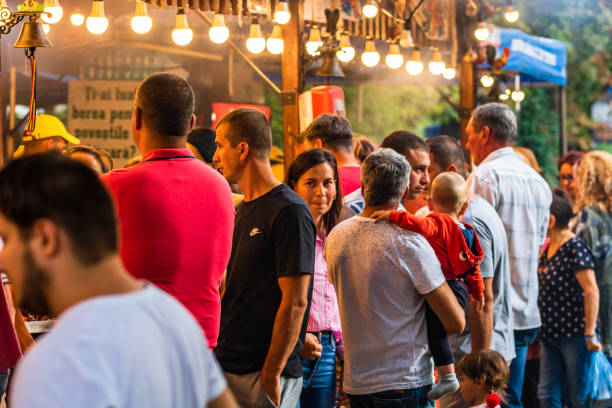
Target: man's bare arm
x=444 y=304
x=481 y=323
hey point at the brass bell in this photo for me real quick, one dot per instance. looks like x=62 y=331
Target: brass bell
x=330 y=67
x=32 y=35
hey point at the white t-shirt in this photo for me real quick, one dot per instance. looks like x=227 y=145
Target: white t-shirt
x=380 y=273
x=140 y=349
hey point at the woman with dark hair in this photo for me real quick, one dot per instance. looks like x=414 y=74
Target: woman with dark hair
x=567 y=166
x=91 y=157
x=313 y=175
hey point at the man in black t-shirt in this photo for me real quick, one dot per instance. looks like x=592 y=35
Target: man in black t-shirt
x=265 y=305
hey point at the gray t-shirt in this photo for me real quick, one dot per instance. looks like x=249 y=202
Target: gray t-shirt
x=380 y=273
x=495 y=264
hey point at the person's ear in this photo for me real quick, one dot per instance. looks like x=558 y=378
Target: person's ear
x=486 y=135
x=45 y=241
x=430 y=204
x=552 y=222
x=243 y=148
x=452 y=168
x=137 y=118
x=318 y=144
x=192 y=123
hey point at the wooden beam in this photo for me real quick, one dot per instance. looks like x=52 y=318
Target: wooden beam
x=292 y=79
x=467 y=93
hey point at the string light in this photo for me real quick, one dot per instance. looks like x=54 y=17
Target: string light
x=97 y=23
x=314 y=41
x=218 y=33
x=518 y=96
x=414 y=66
x=256 y=43
x=394 y=58
x=275 y=43
x=511 y=15
x=449 y=73
x=55 y=12
x=482 y=32
x=503 y=97
x=182 y=34
x=487 y=80
x=370 y=9
x=370 y=56
x=141 y=22
x=77 y=19
x=436 y=65
x=346 y=52
x=406 y=36
x=282 y=14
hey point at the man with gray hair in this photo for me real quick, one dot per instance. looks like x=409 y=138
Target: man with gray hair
x=383 y=275
x=522 y=199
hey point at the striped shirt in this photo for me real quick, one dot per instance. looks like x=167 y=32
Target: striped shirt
x=522 y=199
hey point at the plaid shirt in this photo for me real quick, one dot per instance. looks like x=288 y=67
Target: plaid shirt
x=522 y=199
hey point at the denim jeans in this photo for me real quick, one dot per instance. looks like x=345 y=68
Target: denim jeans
x=413 y=398
x=564 y=363
x=522 y=339
x=4 y=376
x=319 y=387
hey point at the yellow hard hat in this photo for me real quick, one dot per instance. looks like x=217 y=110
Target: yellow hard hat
x=50 y=126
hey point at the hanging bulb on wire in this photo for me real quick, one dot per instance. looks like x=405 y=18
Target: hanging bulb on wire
x=406 y=36
x=370 y=56
x=511 y=15
x=256 y=43
x=414 y=66
x=77 y=19
x=346 y=52
x=182 y=34
x=218 y=33
x=437 y=65
x=282 y=14
x=275 y=43
x=141 y=22
x=394 y=58
x=482 y=32
x=314 y=41
x=370 y=9
x=487 y=80
x=97 y=23
x=55 y=12
x=449 y=72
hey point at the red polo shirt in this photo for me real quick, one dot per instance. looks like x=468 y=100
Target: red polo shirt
x=176 y=218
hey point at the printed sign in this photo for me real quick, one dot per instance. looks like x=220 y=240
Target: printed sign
x=100 y=113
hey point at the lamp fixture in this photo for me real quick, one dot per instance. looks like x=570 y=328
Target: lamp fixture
x=518 y=96
x=141 y=22
x=394 y=58
x=449 y=73
x=282 y=14
x=218 y=33
x=437 y=65
x=406 y=36
x=482 y=32
x=256 y=42
x=275 y=43
x=55 y=12
x=182 y=34
x=370 y=56
x=511 y=15
x=314 y=41
x=414 y=66
x=346 y=52
x=370 y=9
x=503 y=96
x=77 y=19
x=487 y=80
x=97 y=23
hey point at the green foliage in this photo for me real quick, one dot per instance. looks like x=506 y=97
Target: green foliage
x=276 y=116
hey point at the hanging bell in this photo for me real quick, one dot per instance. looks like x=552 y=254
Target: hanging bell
x=32 y=35
x=330 y=67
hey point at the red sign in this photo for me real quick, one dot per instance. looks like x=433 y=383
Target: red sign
x=220 y=109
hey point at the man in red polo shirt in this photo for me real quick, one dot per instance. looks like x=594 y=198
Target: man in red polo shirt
x=176 y=214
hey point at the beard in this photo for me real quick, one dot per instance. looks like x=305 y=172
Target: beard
x=35 y=281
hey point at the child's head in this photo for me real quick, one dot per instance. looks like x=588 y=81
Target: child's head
x=448 y=193
x=481 y=373
x=561 y=211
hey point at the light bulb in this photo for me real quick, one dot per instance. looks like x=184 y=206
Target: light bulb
x=77 y=19
x=218 y=33
x=482 y=32
x=449 y=73
x=56 y=12
x=182 y=34
x=370 y=9
x=282 y=14
x=437 y=65
x=141 y=22
x=46 y=28
x=97 y=23
x=414 y=66
x=503 y=97
x=394 y=58
x=487 y=80
x=314 y=41
x=406 y=39
x=346 y=52
x=518 y=96
x=275 y=43
x=511 y=15
x=256 y=43
x=370 y=57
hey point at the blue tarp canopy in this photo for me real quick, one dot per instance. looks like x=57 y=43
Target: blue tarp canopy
x=536 y=59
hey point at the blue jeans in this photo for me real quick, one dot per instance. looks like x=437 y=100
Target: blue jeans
x=564 y=363
x=413 y=398
x=4 y=376
x=319 y=387
x=522 y=339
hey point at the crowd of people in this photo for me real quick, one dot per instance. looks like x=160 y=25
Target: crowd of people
x=381 y=264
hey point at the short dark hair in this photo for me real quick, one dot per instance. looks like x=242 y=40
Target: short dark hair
x=203 y=139
x=53 y=186
x=251 y=126
x=487 y=366
x=500 y=120
x=167 y=103
x=334 y=131
x=306 y=161
x=362 y=148
x=561 y=208
x=402 y=141
x=446 y=151
x=91 y=151
x=572 y=158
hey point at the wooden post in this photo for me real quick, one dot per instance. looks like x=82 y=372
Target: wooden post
x=467 y=93
x=292 y=78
